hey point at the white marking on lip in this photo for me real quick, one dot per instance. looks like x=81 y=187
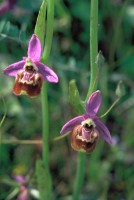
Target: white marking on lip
x=91 y=140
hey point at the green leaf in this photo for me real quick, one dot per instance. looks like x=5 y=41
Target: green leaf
x=42 y=180
x=40 y=173
x=3 y=118
x=5 y=108
x=40 y=23
x=74 y=97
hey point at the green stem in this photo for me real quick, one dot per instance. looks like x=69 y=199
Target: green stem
x=81 y=160
x=45 y=126
x=45 y=116
x=3 y=118
x=46 y=53
x=93 y=46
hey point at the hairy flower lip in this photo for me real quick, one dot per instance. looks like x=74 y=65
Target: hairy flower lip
x=28 y=85
x=79 y=143
x=91 y=140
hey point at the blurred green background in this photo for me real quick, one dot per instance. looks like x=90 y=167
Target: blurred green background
x=109 y=169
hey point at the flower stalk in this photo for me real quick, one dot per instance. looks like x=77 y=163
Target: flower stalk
x=45 y=57
x=44 y=25
x=81 y=160
x=93 y=46
x=111 y=107
x=45 y=116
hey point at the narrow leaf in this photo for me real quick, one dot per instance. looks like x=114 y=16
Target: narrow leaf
x=3 y=118
x=13 y=194
x=40 y=23
x=40 y=174
x=42 y=181
x=74 y=97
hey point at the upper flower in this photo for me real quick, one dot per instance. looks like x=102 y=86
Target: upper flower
x=30 y=72
x=88 y=127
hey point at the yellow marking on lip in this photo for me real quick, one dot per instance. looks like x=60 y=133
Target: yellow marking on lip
x=88 y=121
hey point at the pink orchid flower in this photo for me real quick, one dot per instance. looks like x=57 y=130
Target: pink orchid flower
x=87 y=128
x=7 y=5
x=23 y=191
x=30 y=72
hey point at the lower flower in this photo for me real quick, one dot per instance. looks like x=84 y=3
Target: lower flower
x=87 y=128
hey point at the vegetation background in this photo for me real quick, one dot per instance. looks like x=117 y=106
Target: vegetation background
x=109 y=169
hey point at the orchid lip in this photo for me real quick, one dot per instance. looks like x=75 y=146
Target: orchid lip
x=28 y=83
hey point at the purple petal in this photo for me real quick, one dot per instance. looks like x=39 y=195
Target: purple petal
x=93 y=103
x=47 y=73
x=34 y=48
x=103 y=131
x=71 y=124
x=14 y=68
x=20 y=179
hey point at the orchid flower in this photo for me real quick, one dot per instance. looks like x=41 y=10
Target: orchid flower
x=30 y=72
x=7 y=5
x=87 y=128
x=23 y=190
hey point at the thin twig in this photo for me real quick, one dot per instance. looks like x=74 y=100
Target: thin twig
x=15 y=141
x=62 y=136
x=115 y=102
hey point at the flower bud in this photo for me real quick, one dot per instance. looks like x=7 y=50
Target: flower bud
x=120 y=90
